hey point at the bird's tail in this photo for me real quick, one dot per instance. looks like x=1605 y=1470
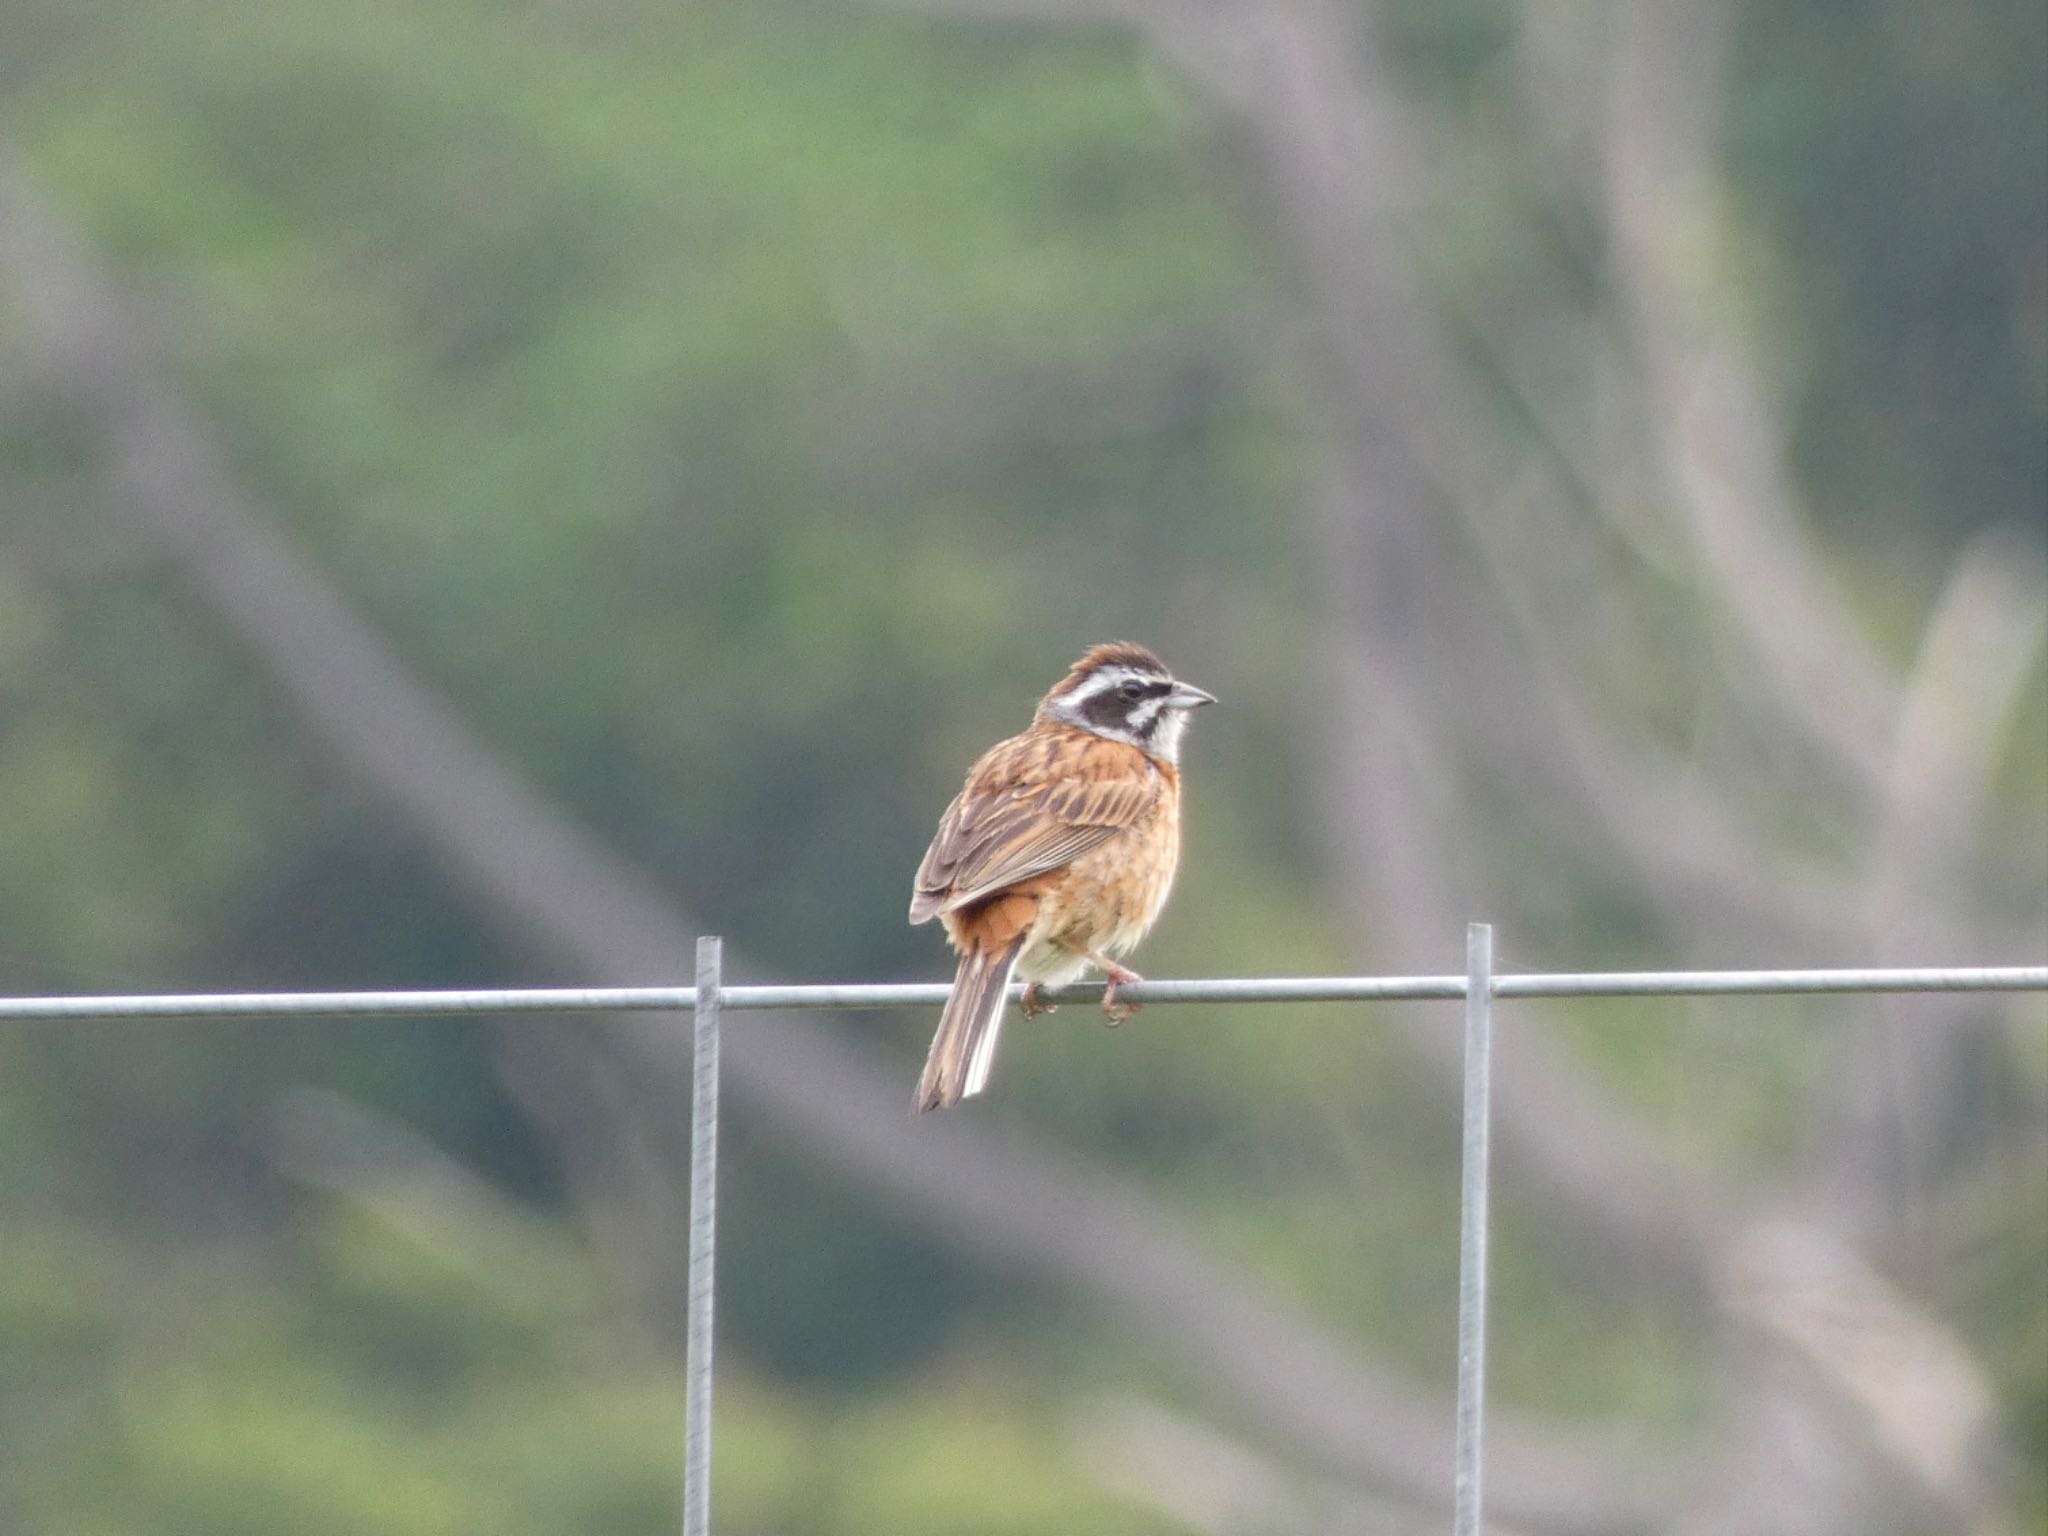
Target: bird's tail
x=964 y=1049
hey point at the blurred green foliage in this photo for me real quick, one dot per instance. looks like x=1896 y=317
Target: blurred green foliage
x=379 y=1377
x=740 y=412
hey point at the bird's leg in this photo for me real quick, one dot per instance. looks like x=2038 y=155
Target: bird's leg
x=1032 y=1005
x=1119 y=976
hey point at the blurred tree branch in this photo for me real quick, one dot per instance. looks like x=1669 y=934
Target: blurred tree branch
x=1905 y=1084
x=1719 y=434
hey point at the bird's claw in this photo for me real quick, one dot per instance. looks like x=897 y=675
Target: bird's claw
x=1112 y=1010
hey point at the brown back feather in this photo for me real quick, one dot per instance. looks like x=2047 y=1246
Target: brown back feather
x=1032 y=804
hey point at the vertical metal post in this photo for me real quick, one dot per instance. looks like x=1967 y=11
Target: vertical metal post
x=703 y=1241
x=1471 y=1455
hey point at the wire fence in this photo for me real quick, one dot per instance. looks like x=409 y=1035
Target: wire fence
x=710 y=999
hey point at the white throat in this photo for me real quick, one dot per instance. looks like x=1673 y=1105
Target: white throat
x=1165 y=743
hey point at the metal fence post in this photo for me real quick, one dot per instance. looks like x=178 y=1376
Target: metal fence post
x=1471 y=1452
x=703 y=1240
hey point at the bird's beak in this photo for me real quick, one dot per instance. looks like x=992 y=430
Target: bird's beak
x=1188 y=696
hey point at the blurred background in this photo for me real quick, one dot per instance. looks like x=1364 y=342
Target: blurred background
x=491 y=491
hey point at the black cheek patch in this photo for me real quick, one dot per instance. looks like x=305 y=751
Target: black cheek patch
x=1110 y=710
x=1106 y=709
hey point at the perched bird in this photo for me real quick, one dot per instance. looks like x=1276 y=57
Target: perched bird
x=1057 y=855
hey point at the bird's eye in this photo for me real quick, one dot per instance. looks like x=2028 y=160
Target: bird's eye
x=1133 y=690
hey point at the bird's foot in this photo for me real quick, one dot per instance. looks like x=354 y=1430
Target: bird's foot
x=1032 y=1004
x=1119 y=976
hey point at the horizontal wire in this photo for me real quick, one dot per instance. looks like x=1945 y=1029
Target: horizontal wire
x=1269 y=989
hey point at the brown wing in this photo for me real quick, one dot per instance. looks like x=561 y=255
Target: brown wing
x=1033 y=803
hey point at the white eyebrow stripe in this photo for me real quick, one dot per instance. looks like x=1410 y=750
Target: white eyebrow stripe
x=1103 y=681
